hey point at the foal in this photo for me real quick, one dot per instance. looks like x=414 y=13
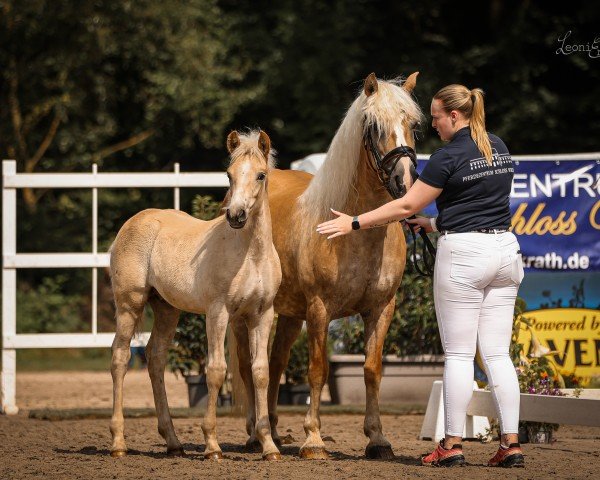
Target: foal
x=226 y=268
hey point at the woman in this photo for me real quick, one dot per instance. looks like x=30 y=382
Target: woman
x=478 y=266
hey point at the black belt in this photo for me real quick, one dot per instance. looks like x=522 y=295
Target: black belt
x=481 y=230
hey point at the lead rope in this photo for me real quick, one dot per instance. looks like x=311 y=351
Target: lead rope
x=428 y=252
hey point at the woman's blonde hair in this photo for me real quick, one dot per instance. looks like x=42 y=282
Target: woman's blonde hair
x=470 y=104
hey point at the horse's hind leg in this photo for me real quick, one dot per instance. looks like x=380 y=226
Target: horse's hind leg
x=129 y=313
x=376 y=327
x=287 y=331
x=216 y=328
x=163 y=330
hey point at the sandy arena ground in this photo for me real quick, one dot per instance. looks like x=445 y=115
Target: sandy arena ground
x=79 y=449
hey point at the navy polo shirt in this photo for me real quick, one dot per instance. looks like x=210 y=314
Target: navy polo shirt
x=474 y=194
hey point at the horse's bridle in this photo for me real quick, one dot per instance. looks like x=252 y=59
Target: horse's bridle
x=384 y=166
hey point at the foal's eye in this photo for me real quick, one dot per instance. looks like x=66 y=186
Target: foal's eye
x=261 y=176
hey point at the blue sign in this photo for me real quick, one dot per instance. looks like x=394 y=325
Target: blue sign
x=555 y=209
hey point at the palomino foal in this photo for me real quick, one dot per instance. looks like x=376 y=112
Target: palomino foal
x=226 y=268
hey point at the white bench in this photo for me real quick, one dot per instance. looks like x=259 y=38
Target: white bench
x=566 y=410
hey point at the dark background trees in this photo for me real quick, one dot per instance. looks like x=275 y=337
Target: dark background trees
x=139 y=85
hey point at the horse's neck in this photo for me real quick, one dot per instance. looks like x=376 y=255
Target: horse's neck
x=370 y=193
x=258 y=231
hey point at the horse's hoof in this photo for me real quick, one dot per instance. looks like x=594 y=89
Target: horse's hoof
x=269 y=457
x=379 y=452
x=218 y=456
x=253 y=446
x=314 y=453
x=118 y=453
x=176 y=452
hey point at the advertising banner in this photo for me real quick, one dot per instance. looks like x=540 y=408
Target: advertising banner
x=556 y=214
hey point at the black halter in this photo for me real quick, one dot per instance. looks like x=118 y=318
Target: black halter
x=384 y=168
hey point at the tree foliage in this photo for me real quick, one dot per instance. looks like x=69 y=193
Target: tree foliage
x=135 y=86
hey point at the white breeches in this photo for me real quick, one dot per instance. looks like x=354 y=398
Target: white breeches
x=477 y=276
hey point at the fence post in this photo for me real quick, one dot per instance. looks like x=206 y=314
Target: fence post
x=9 y=297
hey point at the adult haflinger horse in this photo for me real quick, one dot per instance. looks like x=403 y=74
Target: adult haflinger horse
x=370 y=158
x=176 y=262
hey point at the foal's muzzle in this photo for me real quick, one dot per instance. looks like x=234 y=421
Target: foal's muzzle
x=237 y=220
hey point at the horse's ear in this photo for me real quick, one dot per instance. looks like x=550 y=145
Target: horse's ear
x=411 y=82
x=264 y=143
x=371 y=85
x=233 y=141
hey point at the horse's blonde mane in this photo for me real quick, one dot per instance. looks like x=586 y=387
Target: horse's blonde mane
x=249 y=146
x=388 y=108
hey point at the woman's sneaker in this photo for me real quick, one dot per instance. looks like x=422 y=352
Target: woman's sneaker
x=507 y=457
x=442 y=457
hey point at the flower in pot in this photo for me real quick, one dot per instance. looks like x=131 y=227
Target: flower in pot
x=537 y=373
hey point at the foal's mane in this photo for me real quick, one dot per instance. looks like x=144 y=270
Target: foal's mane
x=332 y=184
x=249 y=146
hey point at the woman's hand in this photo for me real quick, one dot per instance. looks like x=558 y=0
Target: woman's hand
x=419 y=222
x=337 y=227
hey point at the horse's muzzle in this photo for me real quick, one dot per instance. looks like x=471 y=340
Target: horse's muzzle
x=238 y=220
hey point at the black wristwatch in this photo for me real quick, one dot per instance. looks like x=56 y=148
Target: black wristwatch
x=355 y=224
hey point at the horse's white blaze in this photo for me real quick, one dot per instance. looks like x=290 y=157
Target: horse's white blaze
x=242 y=191
x=405 y=161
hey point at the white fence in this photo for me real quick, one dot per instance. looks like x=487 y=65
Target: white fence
x=11 y=260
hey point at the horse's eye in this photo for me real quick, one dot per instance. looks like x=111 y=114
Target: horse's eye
x=417 y=131
x=261 y=176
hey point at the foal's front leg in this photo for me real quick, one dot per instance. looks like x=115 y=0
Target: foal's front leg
x=259 y=328
x=216 y=328
x=377 y=323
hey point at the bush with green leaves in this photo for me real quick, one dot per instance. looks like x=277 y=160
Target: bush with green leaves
x=188 y=354
x=296 y=371
x=47 y=308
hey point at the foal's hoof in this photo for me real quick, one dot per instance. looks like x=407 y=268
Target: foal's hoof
x=175 y=452
x=269 y=457
x=314 y=453
x=379 y=452
x=118 y=453
x=217 y=456
x=253 y=446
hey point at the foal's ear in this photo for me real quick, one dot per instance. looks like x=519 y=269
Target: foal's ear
x=233 y=141
x=371 y=85
x=264 y=143
x=411 y=82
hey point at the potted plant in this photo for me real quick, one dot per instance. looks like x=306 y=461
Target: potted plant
x=295 y=390
x=188 y=356
x=412 y=358
x=537 y=375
